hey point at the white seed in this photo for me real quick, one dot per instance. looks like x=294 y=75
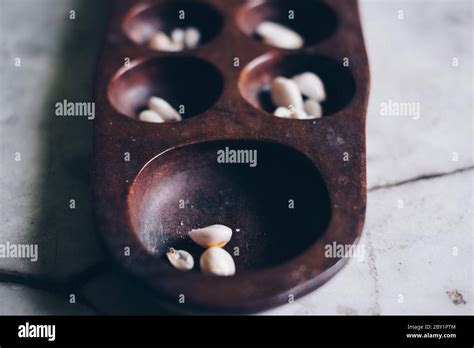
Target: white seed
x=211 y=236
x=162 y=42
x=192 y=37
x=299 y=114
x=313 y=109
x=180 y=259
x=308 y=117
x=282 y=112
x=164 y=109
x=217 y=261
x=150 y=116
x=311 y=86
x=159 y=40
x=285 y=93
x=177 y=36
x=278 y=35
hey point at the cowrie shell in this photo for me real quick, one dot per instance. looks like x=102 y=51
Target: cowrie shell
x=313 y=109
x=180 y=259
x=311 y=86
x=285 y=92
x=164 y=109
x=150 y=116
x=162 y=42
x=192 y=37
x=177 y=36
x=217 y=261
x=278 y=35
x=299 y=114
x=282 y=112
x=211 y=236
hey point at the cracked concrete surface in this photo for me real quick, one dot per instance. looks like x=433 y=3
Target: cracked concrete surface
x=372 y=261
x=411 y=60
x=410 y=266
x=420 y=252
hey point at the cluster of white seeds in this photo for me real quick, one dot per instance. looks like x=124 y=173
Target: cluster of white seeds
x=215 y=260
x=289 y=95
x=179 y=40
x=159 y=111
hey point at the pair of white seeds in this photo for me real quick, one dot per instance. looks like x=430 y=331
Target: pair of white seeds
x=271 y=33
x=287 y=94
x=280 y=36
x=159 y=111
x=214 y=260
x=179 y=40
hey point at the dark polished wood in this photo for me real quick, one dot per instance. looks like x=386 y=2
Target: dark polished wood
x=281 y=250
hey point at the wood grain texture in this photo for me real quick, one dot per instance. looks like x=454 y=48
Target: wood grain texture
x=137 y=201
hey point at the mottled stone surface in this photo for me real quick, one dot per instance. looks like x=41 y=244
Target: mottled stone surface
x=421 y=251
x=409 y=251
x=58 y=56
x=411 y=60
x=424 y=249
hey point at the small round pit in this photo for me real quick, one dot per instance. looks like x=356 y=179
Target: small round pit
x=190 y=85
x=313 y=20
x=256 y=79
x=145 y=20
